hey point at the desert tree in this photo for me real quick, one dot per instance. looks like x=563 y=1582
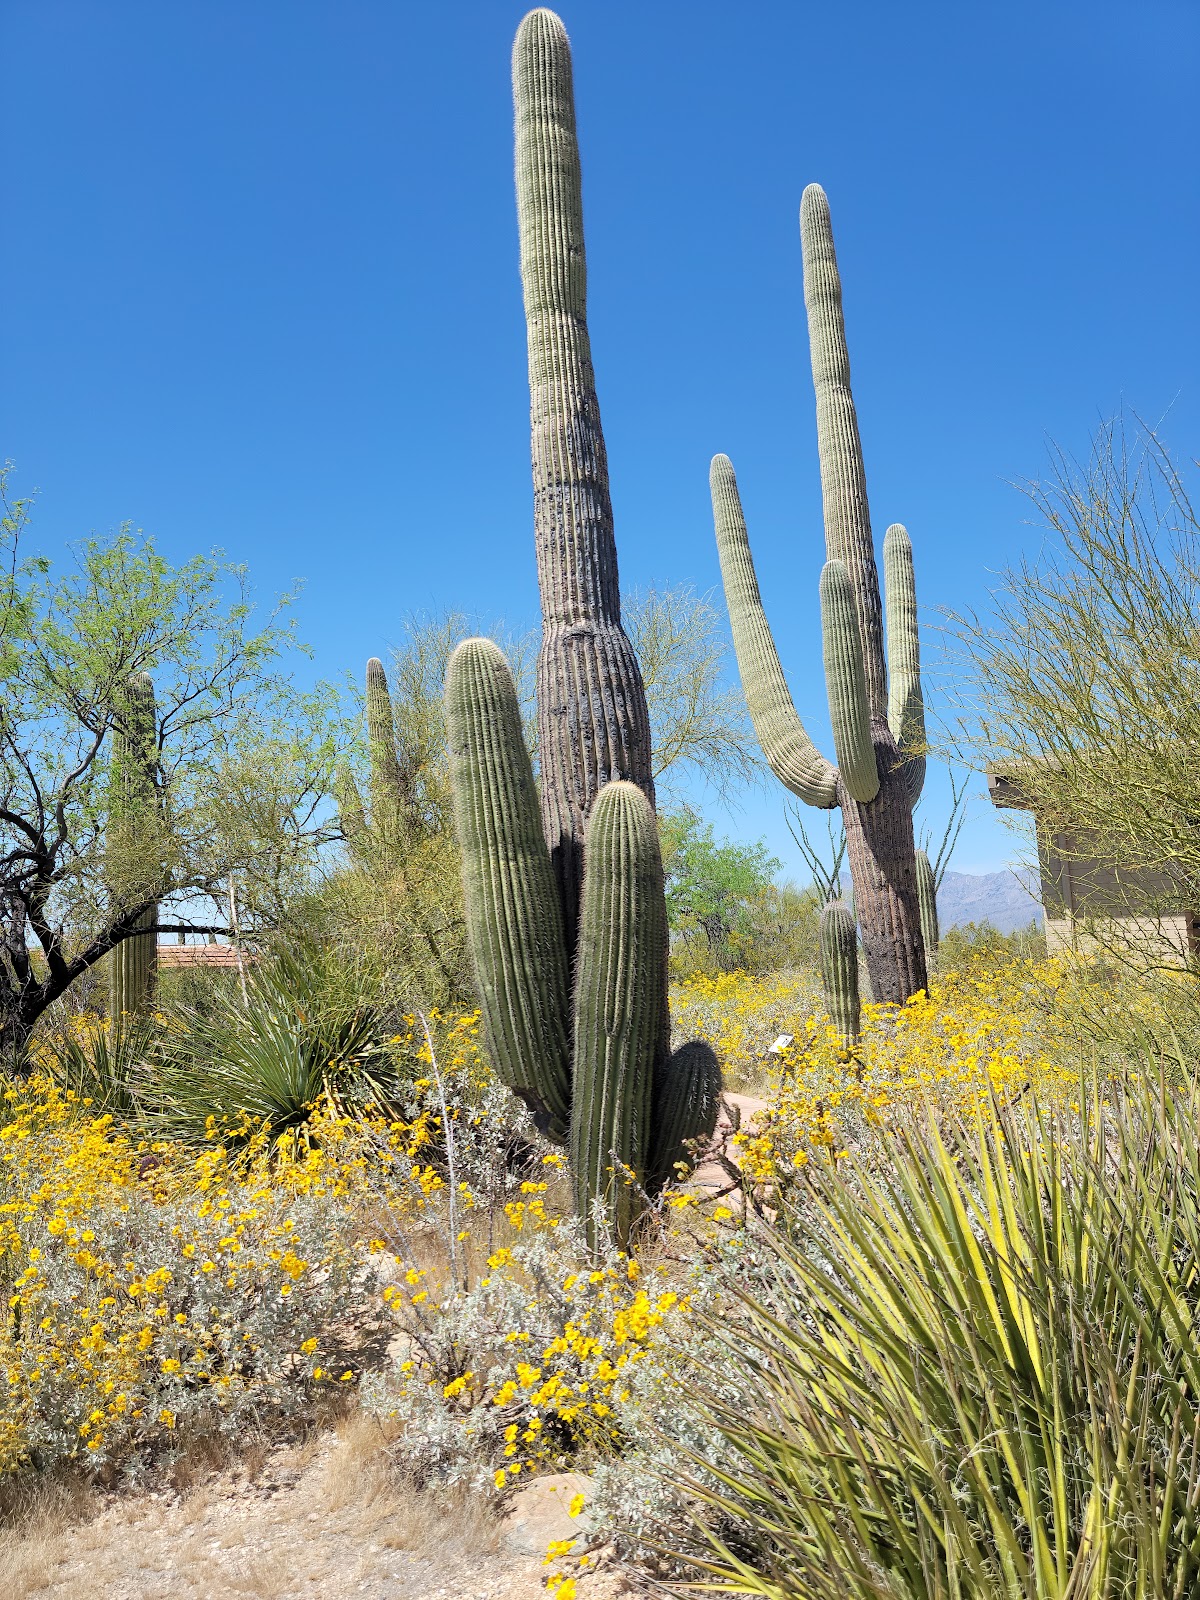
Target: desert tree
x=239 y=761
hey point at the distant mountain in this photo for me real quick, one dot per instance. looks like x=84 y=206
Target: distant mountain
x=1001 y=898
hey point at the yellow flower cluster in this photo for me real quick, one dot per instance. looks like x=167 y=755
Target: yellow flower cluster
x=138 y=1278
x=976 y=1035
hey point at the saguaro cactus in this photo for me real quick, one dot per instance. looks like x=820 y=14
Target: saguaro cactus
x=878 y=726
x=592 y=720
x=839 y=968
x=133 y=964
x=571 y=953
x=588 y=1062
x=927 y=900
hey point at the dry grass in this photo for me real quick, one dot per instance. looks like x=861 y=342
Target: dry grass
x=327 y=1515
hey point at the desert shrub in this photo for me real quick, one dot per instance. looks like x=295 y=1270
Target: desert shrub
x=974 y=1372
x=978 y=944
x=111 y=1065
x=153 y=1294
x=527 y=1367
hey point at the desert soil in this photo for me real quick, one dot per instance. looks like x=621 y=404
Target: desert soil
x=311 y=1522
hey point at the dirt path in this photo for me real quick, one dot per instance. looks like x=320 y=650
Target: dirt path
x=323 y=1521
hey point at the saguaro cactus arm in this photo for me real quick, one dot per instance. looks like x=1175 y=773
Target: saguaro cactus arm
x=687 y=1096
x=843 y=477
x=846 y=685
x=791 y=754
x=906 y=705
x=513 y=918
x=622 y=945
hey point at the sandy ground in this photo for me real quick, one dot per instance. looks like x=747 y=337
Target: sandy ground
x=313 y=1522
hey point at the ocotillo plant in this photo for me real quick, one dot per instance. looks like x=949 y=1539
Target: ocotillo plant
x=878 y=726
x=133 y=964
x=570 y=952
x=586 y=1061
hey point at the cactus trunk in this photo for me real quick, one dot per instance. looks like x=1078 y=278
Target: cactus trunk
x=593 y=724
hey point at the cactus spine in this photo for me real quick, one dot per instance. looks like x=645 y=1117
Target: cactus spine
x=133 y=964
x=839 y=969
x=570 y=954
x=878 y=725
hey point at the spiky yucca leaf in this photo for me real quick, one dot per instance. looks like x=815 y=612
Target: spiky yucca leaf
x=978 y=1374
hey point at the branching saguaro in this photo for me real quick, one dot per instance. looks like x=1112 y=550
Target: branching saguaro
x=592 y=720
x=875 y=703
x=570 y=950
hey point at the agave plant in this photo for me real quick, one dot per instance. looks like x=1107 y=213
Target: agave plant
x=977 y=1376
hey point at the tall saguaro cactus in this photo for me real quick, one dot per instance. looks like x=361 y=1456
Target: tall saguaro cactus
x=875 y=702
x=133 y=964
x=592 y=720
x=570 y=945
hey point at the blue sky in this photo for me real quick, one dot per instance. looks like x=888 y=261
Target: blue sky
x=261 y=289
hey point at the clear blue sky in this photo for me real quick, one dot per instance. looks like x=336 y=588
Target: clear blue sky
x=260 y=285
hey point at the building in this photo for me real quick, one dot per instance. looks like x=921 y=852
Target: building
x=1080 y=893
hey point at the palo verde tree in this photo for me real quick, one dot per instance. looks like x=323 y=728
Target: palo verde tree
x=875 y=700
x=113 y=802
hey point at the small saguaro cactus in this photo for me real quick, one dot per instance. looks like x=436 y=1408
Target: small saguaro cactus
x=839 y=968
x=927 y=899
x=876 y=710
x=133 y=964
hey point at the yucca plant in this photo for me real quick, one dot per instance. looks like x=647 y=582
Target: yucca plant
x=109 y=1064
x=298 y=1039
x=977 y=1376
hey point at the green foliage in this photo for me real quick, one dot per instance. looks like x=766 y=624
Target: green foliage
x=978 y=1370
x=710 y=885
x=1088 y=676
x=978 y=944
x=112 y=1065
x=242 y=759
x=303 y=1035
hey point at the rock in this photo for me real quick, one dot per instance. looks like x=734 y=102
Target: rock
x=538 y=1516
